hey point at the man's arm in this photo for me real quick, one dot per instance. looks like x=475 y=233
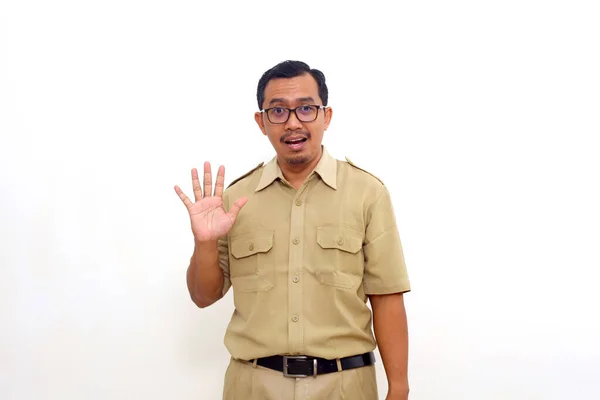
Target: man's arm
x=208 y=272
x=391 y=333
x=204 y=276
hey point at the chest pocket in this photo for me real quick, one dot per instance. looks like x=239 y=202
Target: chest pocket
x=340 y=260
x=251 y=266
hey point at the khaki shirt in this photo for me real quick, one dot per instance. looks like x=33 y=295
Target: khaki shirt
x=302 y=262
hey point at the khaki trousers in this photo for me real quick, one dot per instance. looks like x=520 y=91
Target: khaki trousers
x=245 y=381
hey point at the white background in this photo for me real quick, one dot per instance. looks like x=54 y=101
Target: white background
x=481 y=117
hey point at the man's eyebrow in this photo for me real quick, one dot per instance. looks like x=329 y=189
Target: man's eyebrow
x=305 y=100
x=299 y=100
x=276 y=100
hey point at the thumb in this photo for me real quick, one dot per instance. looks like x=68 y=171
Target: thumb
x=237 y=206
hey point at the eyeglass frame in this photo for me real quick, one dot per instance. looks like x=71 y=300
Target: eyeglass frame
x=290 y=110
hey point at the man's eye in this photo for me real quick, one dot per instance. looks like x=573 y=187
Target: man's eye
x=306 y=110
x=278 y=110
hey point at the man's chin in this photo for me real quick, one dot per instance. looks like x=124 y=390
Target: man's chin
x=297 y=159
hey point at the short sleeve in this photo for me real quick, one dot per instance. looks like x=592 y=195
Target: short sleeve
x=223 y=244
x=385 y=269
x=224 y=263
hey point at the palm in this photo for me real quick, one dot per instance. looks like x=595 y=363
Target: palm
x=208 y=217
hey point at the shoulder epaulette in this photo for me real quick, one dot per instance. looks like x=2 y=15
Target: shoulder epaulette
x=357 y=167
x=246 y=174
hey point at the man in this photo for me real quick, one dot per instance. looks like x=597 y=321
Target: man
x=303 y=241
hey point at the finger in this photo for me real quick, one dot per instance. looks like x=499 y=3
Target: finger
x=207 y=180
x=183 y=197
x=220 y=185
x=237 y=206
x=196 y=185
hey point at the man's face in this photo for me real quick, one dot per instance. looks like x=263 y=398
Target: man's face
x=296 y=142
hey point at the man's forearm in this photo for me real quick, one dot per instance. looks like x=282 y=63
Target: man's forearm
x=391 y=332
x=204 y=276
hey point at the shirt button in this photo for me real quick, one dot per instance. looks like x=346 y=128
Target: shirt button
x=296 y=241
x=295 y=318
x=298 y=202
x=251 y=247
x=295 y=279
x=340 y=241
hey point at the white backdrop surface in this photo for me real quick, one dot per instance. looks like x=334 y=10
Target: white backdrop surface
x=481 y=117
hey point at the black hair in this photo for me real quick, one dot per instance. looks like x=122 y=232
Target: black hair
x=290 y=69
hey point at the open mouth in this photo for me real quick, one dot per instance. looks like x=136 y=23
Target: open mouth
x=295 y=141
x=296 y=144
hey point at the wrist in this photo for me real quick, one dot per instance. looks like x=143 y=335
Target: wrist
x=398 y=388
x=206 y=244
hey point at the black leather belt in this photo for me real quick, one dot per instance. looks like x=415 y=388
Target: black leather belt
x=304 y=366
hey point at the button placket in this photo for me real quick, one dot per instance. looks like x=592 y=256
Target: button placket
x=296 y=262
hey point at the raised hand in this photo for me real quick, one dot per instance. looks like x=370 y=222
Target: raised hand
x=208 y=217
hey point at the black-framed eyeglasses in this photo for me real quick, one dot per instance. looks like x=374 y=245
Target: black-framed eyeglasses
x=304 y=113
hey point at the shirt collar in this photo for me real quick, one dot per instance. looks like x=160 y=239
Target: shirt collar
x=326 y=168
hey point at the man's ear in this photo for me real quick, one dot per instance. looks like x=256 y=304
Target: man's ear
x=328 y=115
x=258 y=117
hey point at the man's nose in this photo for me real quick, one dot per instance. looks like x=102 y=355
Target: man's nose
x=293 y=122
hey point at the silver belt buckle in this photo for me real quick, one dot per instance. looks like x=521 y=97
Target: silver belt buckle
x=285 y=367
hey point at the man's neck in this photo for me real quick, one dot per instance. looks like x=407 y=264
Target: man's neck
x=296 y=174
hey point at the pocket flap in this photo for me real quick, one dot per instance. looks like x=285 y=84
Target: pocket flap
x=339 y=237
x=251 y=243
x=250 y=283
